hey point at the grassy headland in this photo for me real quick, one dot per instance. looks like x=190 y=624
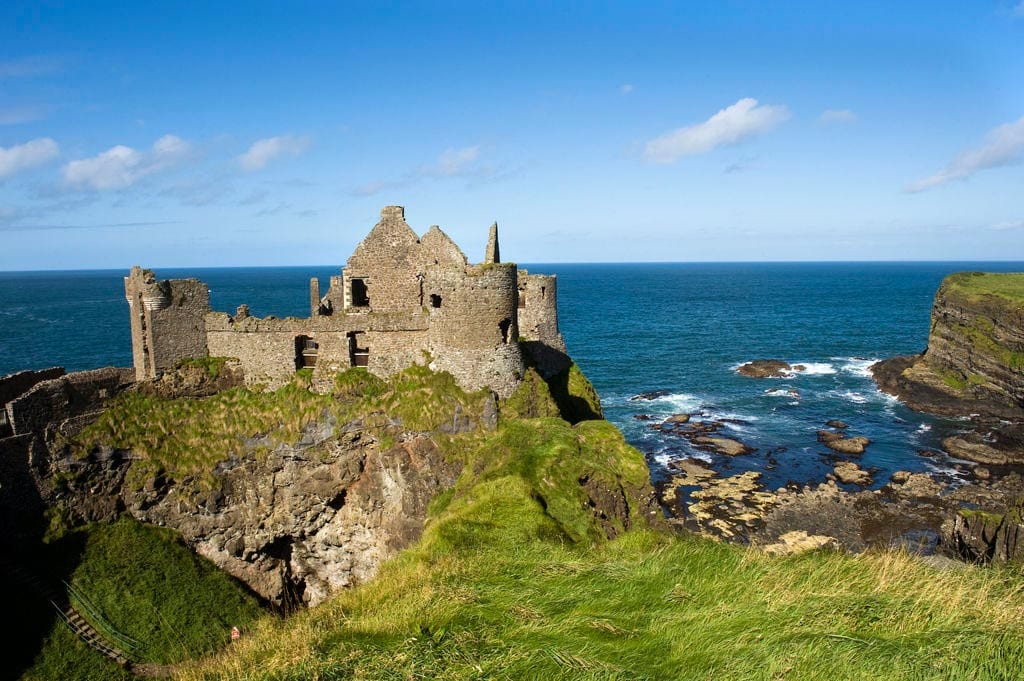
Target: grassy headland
x=1006 y=285
x=515 y=576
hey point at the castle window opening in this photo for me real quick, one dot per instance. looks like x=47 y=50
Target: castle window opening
x=358 y=356
x=306 y=351
x=435 y=300
x=360 y=298
x=542 y=290
x=504 y=325
x=521 y=303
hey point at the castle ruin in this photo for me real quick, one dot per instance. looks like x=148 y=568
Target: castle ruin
x=400 y=300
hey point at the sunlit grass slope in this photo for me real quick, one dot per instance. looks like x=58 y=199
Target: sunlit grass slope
x=142 y=583
x=499 y=589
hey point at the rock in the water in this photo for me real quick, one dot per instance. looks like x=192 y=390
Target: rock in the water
x=837 y=424
x=724 y=445
x=649 y=395
x=838 y=442
x=850 y=473
x=766 y=368
x=678 y=418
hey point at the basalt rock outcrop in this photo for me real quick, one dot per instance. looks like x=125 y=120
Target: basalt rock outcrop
x=974 y=363
x=294 y=523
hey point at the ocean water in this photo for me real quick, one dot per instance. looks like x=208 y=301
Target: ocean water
x=680 y=329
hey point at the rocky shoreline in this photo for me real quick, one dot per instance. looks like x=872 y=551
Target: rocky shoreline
x=976 y=520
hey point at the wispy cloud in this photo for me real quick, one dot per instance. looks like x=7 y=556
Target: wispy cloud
x=265 y=150
x=106 y=225
x=1007 y=225
x=121 y=166
x=30 y=67
x=833 y=116
x=1018 y=11
x=1003 y=146
x=21 y=157
x=625 y=88
x=21 y=114
x=453 y=162
x=742 y=120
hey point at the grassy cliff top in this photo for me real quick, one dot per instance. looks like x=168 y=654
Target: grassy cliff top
x=1007 y=285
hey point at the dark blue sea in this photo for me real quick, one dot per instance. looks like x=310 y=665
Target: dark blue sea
x=681 y=329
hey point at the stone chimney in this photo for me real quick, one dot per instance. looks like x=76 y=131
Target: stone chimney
x=492 y=255
x=392 y=213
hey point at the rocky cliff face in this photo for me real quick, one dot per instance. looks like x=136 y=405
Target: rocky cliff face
x=294 y=523
x=973 y=366
x=974 y=362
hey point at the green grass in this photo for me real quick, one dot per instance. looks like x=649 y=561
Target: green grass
x=1007 y=285
x=515 y=577
x=142 y=582
x=494 y=592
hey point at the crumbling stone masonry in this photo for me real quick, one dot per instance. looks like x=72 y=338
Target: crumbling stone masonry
x=400 y=300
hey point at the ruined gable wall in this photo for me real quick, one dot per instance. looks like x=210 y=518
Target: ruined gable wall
x=437 y=248
x=388 y=259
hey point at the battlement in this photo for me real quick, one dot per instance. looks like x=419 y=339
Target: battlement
x=400 y=300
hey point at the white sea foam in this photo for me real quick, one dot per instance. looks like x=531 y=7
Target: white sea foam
x=677 y=402
x=809 y=369
x=858 y=366
x=792 y=393
x=923 y=428
x=813 y=368
x=850 y=396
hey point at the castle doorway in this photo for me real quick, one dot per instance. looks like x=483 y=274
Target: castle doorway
x=359 y=356
x=306 y=351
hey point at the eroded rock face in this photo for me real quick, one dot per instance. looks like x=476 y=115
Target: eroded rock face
x=295 y=523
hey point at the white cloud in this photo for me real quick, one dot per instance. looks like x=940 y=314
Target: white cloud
x=1018 y=11
x=1003 y=146
x=1007 y=225
x=266 y=150
x=453 y=162
x=121 y=166
x=731 y=125
x=21 y=157
x=626 y=89
x=829 y=116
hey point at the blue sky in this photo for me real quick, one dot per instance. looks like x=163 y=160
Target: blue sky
x=221 y=134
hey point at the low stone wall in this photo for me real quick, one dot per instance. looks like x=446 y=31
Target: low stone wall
x=49 y=403
x=15 y=385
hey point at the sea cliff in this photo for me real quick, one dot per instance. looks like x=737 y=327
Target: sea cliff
x=973 y=366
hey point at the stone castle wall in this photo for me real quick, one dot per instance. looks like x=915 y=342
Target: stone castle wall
x=167 y=320
x=425 y=305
